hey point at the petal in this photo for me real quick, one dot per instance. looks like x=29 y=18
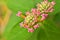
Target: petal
x=30 y=30
x=53 y=3
x=44 y=15
x=43 y=18
x=35 y=19
x=45 y=0
x=34 y=10
x=51 y=10
x=21 y=24
x=18 y=14
x=36 y=26
x=26 y=26
x=33 y=22
x=51 y=7
x=46 y=11
x=38 y=13
x=27 y=13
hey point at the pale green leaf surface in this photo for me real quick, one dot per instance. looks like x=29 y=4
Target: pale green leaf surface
x=48 y=31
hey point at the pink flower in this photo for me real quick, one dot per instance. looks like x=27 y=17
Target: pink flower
x=38 y=12
x=33 y=22
x=53 y=3
x=45 y=0
x=30 y=30
x=51 y=10
x=44 y=16
x=35 y=18
x=18 y=14
x=36 y=26
x=27 y=13
x=26 y=26
x=34 y=11
x=21 y=24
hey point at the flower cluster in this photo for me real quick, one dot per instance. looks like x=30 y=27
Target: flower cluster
x=36 y=15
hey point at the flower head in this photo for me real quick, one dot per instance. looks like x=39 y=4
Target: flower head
x=26 y=26
x=39 y=14
x=36 y=26
x=45 y=6
x=34 y=10
x=21 y=24
x=27 y=13
x=18 y=14
x=30 y=30
x=53 y=3
x=44 y=16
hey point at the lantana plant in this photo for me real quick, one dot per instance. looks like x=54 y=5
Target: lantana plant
x=36 y=15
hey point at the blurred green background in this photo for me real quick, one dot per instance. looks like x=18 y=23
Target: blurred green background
x=50 y=30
